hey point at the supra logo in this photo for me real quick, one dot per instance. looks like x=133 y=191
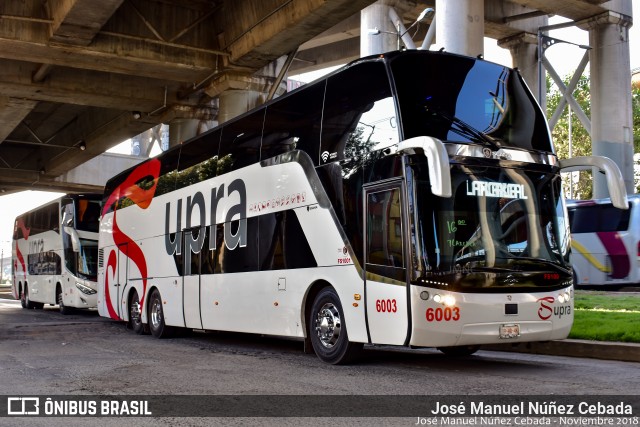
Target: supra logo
x=23 y=406
x=545 y=311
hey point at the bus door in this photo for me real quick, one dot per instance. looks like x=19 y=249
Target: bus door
x=120 y=282
x=385 y=263
x=191 y=276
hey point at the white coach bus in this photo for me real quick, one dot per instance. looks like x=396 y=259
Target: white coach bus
x=412 y=198
x=55 y=251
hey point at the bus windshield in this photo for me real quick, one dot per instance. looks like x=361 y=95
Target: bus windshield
x=502 y=228
x=461 y=99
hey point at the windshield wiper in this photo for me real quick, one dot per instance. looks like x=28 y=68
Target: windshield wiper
x=547 y=263
x=465 y=129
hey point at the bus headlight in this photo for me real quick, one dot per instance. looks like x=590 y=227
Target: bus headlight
x=564 y=297
x=448 y=300
x=85 y=289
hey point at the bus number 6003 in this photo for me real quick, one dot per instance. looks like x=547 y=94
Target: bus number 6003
x=439 y=314
x=386 y=306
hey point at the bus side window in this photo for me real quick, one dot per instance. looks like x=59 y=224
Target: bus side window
x=240 y=142
x=198 y=160
x=293 y=123
x=359 y=113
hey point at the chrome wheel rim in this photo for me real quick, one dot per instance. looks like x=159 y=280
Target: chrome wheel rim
x=328 y=325
x=135 y=310
x=156 y=313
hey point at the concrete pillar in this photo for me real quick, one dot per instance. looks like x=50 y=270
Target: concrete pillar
x=234 y=102
x=460 y=26
x=524 y=54
x=372 y=17
x=181 y=130
x=611 y=111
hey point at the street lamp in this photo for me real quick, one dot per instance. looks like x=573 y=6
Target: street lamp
x=400 y=30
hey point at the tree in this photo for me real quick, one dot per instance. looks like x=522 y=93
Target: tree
x=578 y=185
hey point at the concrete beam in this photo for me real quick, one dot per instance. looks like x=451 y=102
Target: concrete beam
x=85 y=87
x=12 y=112
x=572 y=9
x=77 y=22
x=259 y=32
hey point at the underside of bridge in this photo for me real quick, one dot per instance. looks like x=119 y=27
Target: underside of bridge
x=78 y=77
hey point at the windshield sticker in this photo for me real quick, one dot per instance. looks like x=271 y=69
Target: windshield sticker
x=496 y=189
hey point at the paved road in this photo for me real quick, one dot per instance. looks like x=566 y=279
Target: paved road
x=45 y=353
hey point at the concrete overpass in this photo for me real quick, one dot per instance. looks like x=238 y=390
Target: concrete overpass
x=80 y=76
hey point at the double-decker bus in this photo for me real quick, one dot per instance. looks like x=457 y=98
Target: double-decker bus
x=55 y=254
x=411 y=198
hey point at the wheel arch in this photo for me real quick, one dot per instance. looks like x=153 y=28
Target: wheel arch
x=307 y=302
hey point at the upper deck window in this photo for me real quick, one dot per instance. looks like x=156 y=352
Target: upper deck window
x=460 y=99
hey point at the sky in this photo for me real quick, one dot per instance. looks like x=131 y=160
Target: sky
x=564 y=58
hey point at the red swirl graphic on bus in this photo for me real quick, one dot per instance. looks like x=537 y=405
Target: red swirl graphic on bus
x=25 y=234
x=142 y=198
x=544 y=308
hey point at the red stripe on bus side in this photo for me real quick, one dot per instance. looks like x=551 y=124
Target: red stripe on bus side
x=620 y=263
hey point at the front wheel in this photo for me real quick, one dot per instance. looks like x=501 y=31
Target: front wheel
x=328 y=330
x=156 y=317
x=64 y=310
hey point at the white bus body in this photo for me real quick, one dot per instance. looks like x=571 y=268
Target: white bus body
x=324 y=215
x=54 y=254
x=605 y=243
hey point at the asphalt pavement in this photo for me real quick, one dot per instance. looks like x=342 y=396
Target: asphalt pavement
x=626 y=352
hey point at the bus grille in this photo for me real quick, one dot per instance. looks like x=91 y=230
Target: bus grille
x=100 y=258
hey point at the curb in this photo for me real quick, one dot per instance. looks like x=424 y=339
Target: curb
x=620 y=351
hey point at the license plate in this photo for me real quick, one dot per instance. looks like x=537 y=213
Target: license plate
x=509 y=331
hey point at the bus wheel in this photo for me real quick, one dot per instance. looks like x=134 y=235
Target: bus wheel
x=25 y=301
x=135 y=318
x=460 y=350
x=328 y=330
x=60 y=300
x=156 y=317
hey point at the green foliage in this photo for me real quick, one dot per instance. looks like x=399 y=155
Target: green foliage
x=582 y=185
x=580 y=139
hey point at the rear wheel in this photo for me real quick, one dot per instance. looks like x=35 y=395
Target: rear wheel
x=156 y=317
x=135 y=316
x=328 y=330
x=25 y=301
x=60 y=300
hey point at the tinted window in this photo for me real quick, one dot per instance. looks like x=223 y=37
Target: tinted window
x=293 y=123
x=198 y=160
x=595 y=218
x=240 y=143
x=438 y=92
x=359 y=114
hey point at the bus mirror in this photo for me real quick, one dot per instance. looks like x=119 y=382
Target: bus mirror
x=437 y=158
x=75 y=239
x=615 y=181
